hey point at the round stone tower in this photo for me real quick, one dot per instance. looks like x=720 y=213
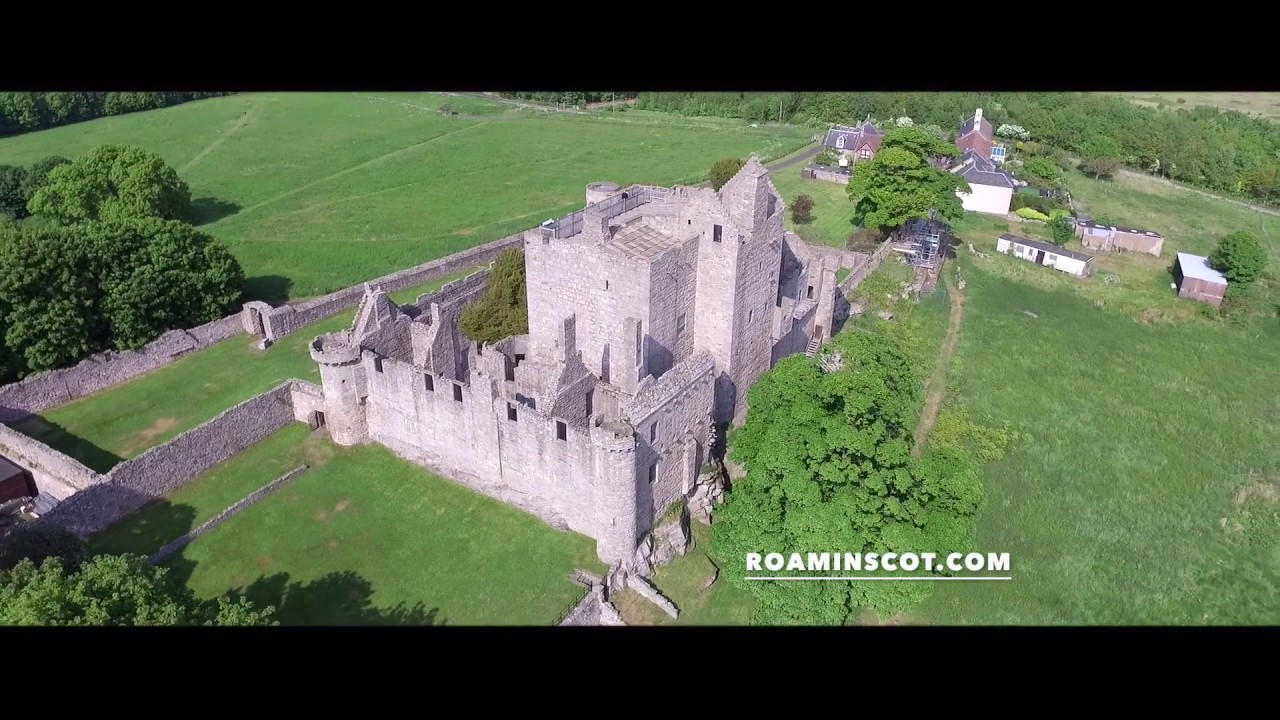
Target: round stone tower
x=614 y=449
x=598 y=191
x=345 y=387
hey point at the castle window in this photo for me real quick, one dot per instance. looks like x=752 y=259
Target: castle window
x=519 y=358
x=809 y=294
x=590 y=401
x=457 y=392
x=653 y=473
x=690 y=221
x=429 y=383
x=680 y=325
x=562 y=430
x=653 y=432
x=606 y=284
x=510 y=372
x=751 y=314
x=377 y=363
x=511 y=412
x=716 y=233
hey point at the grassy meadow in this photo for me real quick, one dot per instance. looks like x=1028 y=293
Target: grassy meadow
x=317 y=191
x=124 y=421
x=1139 y=494
x=832 y=212
x=1259 y=104
x=362 y=537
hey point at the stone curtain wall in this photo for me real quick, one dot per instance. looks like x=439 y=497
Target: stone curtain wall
x=98 y=372
x=278 y=322
x=55 y=474
x=164 y=468
x=821 y=172
x=855 y=278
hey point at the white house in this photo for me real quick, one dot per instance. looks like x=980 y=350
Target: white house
x=1047 y=254
x=992 y=187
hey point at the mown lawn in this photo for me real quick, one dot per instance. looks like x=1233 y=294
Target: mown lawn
x=317 y=191
x=126 y=420
x=832 y=211
x=1140 y=496
x=362 y=537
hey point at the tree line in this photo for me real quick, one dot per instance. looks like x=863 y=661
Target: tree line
x=1219 y=150
x=26 y=111
x=99 y=253
x=568 y=98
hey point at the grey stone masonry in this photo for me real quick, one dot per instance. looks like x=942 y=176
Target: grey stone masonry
x=651 y=313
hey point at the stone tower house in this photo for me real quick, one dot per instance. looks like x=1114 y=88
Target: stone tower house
x=651 y=313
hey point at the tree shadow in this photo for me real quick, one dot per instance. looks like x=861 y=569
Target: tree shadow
x=339 y=598
x=67 y=443
x=270 y=289
x=208 y=210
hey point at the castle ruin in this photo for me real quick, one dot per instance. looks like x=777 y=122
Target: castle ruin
x=651 y=313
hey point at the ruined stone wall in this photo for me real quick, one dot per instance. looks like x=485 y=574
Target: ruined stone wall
x=307 y=399
x=56 y=474
x=855 y=278
x=671 y=417
x=286 y=319
x=598 y=286
x=53 y=388
x=164 y=468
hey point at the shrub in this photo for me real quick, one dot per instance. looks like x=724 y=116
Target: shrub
x=826 y=157
x=1031 y=214
x=1240 y=257
x=1040 y=204
x=802 y=209
x=723 y=171
x=864 y=239
x=1063 y=229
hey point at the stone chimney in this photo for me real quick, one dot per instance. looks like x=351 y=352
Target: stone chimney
x=977 y=117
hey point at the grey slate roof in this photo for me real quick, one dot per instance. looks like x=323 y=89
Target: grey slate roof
x=853 y=136
x=1045 y=246
x=968 y=126
x=981 y=171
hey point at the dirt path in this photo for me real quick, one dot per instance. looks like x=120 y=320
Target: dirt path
x=938 y=380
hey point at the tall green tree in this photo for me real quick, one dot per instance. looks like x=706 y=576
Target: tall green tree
x=113 y=182
x=120 y=590
x=13 y=202
x=503 y=309
x=1100 y=157
x=829 y=469
x=1240 y=257
x=38 y=174
x=900 y=183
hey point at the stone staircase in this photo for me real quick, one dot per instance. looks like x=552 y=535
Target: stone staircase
x=815 y=343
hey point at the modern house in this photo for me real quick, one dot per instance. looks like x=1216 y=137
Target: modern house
x=856 y=143
x=1112 y=237
x=1196 y=280
x=976 y=134
x=992 y=187
x=1047 y=254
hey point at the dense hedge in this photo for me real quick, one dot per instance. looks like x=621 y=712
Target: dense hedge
x=1219 y=150
x=25 y=111
x=568 y=98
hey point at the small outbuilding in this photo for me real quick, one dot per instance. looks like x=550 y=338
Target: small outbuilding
x=1047 y=254
x=15 y=483
x=1196 y=280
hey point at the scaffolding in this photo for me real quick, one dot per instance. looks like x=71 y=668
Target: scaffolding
x=921 y=241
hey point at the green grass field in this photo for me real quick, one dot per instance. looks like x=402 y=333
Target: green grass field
x=1139 y=284
x=832 y=211
x=1123 y=506
x=1259 y=104
x=362 y=537
x=682 y=581
x=317 y=191
x=126 y=420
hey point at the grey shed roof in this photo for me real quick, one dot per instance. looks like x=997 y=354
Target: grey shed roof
x=1117 y=228
x=1197 y=267
x=980 y=171
x=971 y=124
x=853 y=136
x=1045 y=246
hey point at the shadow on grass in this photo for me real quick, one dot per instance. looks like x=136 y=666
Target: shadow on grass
x=68 y=443
x=339 y=598
x=270 y=289
x=208 y=210
x=145 y=530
